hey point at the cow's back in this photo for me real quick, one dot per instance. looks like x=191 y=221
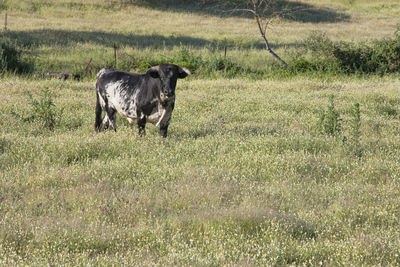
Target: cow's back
x=129 y=80
x=119 y=90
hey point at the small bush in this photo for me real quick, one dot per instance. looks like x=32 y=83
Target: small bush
x=42 y=110
x=219 y=64
x=302 y=65
x=150 y=62
x=11 y=58
x=319 y=44
x=354 y=58
x=379 y=56
x=3 y=5
x=329 y=122
x=185 y=58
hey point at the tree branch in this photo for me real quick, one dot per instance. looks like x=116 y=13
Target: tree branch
x=267 y=46
x=262 y=27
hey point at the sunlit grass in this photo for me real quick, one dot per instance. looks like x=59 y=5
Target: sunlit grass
x=245 y=176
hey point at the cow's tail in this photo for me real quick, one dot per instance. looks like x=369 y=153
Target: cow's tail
x=102 y=72
x=98 y=120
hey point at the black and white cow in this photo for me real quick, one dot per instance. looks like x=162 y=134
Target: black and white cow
x=148 y=97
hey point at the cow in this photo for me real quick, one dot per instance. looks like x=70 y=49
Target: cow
x=148 y=97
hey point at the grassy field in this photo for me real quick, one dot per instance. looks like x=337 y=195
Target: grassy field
x=253 y=171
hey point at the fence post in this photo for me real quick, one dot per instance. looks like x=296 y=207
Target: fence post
x=115 y=55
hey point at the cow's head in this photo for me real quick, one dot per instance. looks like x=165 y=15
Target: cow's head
x=168 y=75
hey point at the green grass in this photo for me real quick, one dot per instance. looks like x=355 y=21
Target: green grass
x=65 y=35
x=245 y=176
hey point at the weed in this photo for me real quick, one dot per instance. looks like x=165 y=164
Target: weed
x=329 y=121
x=43 y=110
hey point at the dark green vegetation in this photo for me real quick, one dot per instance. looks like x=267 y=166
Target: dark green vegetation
x=378 y=56
x=81 y=53
x=263 y=165
x=319 y=56
x=12 y=58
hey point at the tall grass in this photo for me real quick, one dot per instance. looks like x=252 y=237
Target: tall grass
x=243 y=178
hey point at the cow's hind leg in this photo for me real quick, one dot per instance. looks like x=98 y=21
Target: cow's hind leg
x=109 y=121
x=98 y=120
x=104 y=124
x=111 y=113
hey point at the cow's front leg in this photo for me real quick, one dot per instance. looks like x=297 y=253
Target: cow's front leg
x=141 y=121
x=163 y=131
x=131 y=122
x=164 y=128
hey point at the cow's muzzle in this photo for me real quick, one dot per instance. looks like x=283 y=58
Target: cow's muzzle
x=166 y=97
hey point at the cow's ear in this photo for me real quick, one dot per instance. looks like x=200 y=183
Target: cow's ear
x=183 y=72
x=153 y=72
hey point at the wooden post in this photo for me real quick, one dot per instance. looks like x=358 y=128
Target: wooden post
x=87 y=66
x=115 y=55
x=225 y=51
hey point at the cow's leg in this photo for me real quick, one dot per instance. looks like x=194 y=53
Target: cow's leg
x=131 y=121
x=167 y=118
x=164 y=128
x=141 y=121
x=113 y=119
x=98 y=120
x=111 y=114
x=105 y=123
x=109 y=120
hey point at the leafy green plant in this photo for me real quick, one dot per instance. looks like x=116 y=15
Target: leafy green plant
x=302 y=65
x=3 y=5
x=186 y=58
x=42 y=110
x=216 y=63
x=330 y=122
x=319 y=44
